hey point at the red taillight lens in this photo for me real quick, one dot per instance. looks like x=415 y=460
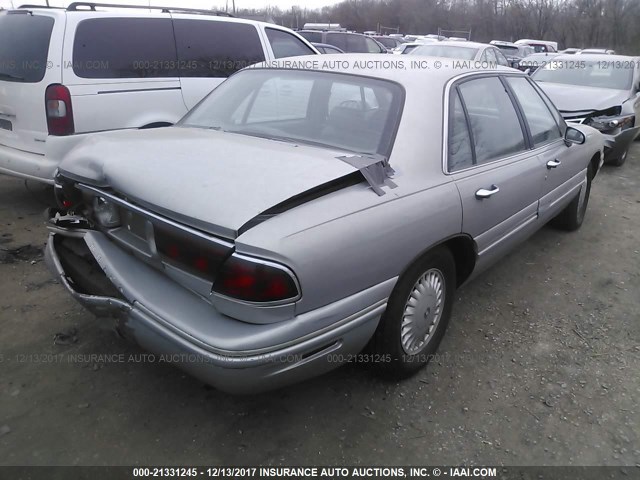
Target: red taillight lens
x=59 y=110
x=196 y=255
x=255 y=281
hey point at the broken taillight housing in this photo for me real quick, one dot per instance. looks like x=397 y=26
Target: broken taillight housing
x=255 y=281
x=59 y=110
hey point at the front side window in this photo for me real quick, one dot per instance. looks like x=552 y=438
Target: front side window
x=338 y=40
x=125 y=48
x=542 y=125
x=332 y=110
x=24 y=47
x=284 y=44
x=315 y=37
x=211 y=48
x=495 y=126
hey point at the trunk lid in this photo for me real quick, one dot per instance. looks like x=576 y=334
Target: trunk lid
x=210 y=180
x=30 y=57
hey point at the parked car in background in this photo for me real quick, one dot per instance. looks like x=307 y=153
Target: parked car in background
x=602 y=91
x=471 y=51
x=390 y=43
x=407 y=47
x=346 y=41
x=513 y=53
x=326 y=48
x=531 y=63
x=95 y=71
x=260 y=243
x=570 y=51
x=540 y=46
x=602 y=51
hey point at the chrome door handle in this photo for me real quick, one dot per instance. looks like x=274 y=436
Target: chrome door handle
x=553 y=163
x=483 y=193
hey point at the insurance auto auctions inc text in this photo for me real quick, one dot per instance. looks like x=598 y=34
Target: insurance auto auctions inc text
x=376 y=472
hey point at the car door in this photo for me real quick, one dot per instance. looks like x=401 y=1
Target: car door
x=563 y=165
x=498 y=177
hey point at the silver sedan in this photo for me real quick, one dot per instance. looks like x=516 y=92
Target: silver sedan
x=296 y=220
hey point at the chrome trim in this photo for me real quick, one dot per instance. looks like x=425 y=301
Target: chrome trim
x=269 y=263
x=154 y=216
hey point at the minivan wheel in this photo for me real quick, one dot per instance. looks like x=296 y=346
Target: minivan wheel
x=572 y=216
x=417 y=314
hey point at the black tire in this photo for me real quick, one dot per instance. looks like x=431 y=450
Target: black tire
x=572 y=216
x=387 y=342
x=618 y=162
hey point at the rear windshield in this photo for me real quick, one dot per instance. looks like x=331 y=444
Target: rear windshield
x=340 y=111
x=450 y=51
x=587 y=74
x=24 y=47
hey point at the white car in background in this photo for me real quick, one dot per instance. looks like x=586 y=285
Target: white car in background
x=100 y=69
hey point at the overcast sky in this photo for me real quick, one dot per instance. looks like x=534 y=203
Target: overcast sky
x=219 y=4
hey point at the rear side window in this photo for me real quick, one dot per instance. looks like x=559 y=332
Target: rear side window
x=208 y=48
x=337 y=40
x=495 y=126
x=124 y=48
x=284 y=44
x=24 y=47
x=459 y=148
x=542 y=125
x=315 y=37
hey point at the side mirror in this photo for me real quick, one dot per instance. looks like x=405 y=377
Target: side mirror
x=573 y=135
x=528 y=71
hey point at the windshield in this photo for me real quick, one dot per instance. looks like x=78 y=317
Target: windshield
x=334 y=110
x=450 y=51
x=586 y=74
x=24 y=47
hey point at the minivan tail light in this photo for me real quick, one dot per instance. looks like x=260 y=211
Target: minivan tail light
x=59 y=110
x=255 y=281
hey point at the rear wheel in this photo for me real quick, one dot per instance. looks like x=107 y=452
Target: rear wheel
x=572 y=216
x=417 y=314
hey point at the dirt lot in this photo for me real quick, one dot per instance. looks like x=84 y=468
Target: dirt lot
x=539 y=367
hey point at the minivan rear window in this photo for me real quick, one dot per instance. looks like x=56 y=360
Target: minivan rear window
x=208 y=48
x=24 y=47
x=125 y=48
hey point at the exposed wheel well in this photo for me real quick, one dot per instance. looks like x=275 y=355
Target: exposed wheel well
x=463 y=250
x=594 y=162
x=464 y=255
x=156 y=125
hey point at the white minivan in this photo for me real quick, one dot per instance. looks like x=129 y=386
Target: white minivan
x=67 y=72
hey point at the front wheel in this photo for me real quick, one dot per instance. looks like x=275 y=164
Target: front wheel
x=417 y=314
x=618 y=162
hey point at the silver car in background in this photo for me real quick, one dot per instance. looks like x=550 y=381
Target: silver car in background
x=482 y=55
x=297 y=217
x=602 y=91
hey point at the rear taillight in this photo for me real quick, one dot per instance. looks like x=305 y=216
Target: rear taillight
x=199 y=256
x=256 y=281
x=59 y=110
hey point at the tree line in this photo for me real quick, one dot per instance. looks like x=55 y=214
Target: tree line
x=572 y=23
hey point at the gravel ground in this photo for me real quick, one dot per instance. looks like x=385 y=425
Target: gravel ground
x=539 y=367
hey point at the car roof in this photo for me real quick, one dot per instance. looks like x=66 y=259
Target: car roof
x=604 y=57
x=398 y=70
x=465 y=44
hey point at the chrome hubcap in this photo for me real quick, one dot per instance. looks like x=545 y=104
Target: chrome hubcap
x=422 y=311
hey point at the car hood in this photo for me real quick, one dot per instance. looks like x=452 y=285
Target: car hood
x=572 y=99
x=214 y=181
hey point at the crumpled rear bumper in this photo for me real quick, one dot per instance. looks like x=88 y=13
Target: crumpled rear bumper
x=141 y=316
